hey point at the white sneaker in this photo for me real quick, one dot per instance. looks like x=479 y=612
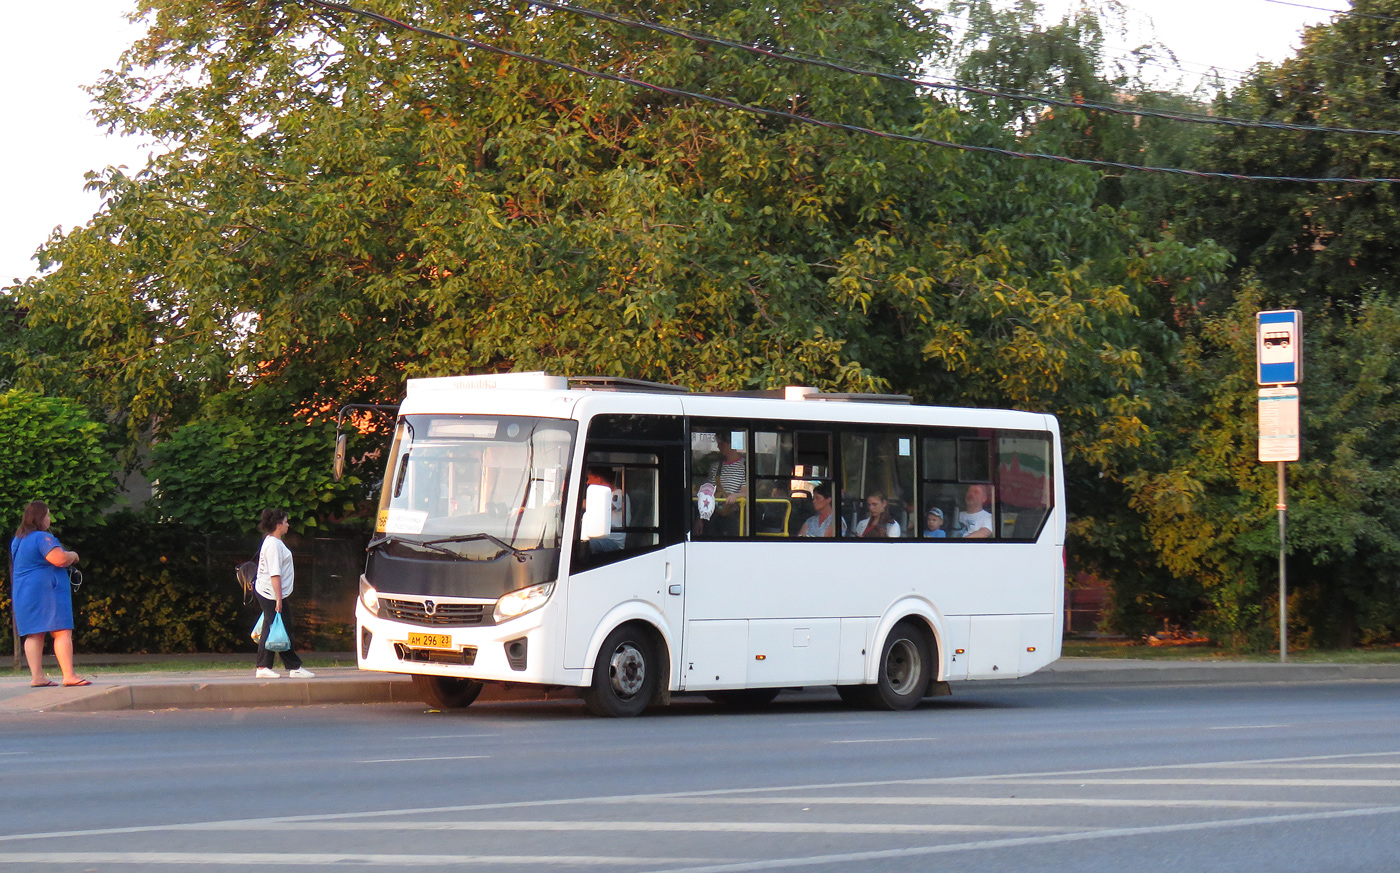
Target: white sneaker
x=267 y=673
x=301 y=673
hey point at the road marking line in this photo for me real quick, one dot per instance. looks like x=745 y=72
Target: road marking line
x=451 y=737
x=1246 y=727
x=1332 y=766
x=889 y=740
x=308 y=859
x=954 y=800
x=1018 y=842
x=434 y=758
x=990 y=779
x=699 y=827
x=1243 y=783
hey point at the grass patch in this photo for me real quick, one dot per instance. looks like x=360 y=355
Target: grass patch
x=1142 y=651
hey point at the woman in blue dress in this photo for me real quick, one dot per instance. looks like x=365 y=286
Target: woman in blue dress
x=43 y=600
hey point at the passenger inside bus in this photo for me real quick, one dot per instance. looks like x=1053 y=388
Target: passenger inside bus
x=877 y=524
x=823 y=523
x=933 y=524
x=975 y=520
x=730 y=475
x=618 y=538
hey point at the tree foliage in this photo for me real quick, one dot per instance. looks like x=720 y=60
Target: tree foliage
x=343 y=205
x=53 y=452
x=220 y=472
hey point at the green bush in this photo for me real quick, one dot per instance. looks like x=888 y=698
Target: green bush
x=148 y=587
x=53 y=452
x=217 y=475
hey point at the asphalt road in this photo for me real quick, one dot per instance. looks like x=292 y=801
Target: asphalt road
x=1009 y=778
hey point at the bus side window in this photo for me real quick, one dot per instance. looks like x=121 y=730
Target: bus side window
x=634 y=479
x=719 y=481
x=1025 y=475
x=877 y=488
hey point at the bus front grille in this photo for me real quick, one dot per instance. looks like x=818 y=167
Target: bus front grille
x=443 y=615
x=466 y=657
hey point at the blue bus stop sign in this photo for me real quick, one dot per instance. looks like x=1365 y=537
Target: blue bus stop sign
x=1279 y=347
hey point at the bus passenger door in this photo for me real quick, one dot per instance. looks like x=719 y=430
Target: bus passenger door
x=638 y=569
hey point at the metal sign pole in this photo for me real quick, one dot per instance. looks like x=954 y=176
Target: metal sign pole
x=1279 y=365
x=1282 y=570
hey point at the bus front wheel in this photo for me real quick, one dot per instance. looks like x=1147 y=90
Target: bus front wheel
x=624 y=676
x=443 y=692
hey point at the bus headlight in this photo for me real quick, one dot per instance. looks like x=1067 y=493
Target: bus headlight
x=369 y=597
x=523 y=601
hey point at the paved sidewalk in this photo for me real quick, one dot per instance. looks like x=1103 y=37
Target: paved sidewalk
x=215 y=688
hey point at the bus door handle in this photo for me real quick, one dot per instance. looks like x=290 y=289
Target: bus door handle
x=668 y=575
x=675 y=589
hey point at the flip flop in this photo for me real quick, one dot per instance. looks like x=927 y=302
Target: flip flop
x=47 y=683
x=75 y=684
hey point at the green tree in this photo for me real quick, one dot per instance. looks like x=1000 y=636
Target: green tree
x=1207 y=506
x=1319 y=243
x=218 y=473
x=343 y=205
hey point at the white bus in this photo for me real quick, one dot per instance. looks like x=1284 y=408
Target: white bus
x=634 y=541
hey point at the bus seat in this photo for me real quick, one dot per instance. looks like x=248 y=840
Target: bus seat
x=772 y=516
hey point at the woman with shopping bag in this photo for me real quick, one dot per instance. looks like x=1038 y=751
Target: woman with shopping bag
x=273 y=586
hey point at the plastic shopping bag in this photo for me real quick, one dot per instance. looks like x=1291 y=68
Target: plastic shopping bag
x=257 y=630
x=277 y=638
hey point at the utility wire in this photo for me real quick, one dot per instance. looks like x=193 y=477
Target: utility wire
x=818 y=122
x=1348 y=12
x=1111 y=108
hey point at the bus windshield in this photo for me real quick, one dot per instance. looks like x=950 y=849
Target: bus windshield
x=472 y=486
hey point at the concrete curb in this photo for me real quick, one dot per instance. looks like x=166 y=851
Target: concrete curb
x=346 y=685
x=1104 y=672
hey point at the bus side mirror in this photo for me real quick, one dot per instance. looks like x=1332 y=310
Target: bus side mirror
x=338 y=467
x=597 y=512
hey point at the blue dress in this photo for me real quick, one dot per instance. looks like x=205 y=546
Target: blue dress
x=42 y=596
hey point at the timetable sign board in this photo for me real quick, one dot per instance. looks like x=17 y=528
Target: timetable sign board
x=1278 y=424
x=1279 y=347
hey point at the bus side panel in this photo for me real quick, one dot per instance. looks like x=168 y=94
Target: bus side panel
x=796 y=651
x=593 y=594
x=994 y=647
x=956 y=629
x=855 y=642
x=716 y=654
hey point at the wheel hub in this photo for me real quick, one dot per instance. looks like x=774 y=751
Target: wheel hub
x=628 y=670
x=902 y=666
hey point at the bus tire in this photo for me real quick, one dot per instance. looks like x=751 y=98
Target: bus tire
x=444 y=692
x=903 y=675
x=625 y=674
x=744 y=698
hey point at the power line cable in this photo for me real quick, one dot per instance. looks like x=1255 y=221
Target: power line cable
x=777 y=54
x=1351 y=13
x=818 y=122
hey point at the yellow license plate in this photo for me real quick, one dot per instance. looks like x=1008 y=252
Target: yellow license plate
x=430 y=641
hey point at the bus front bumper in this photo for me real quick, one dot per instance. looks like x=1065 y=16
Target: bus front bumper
x=516 y=650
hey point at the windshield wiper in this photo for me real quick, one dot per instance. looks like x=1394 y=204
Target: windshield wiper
x=391 y=538
x=464 y=538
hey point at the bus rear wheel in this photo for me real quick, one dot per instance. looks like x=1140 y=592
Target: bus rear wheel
x=443 y=692
x=902 y=679
x=624 y=676
x=905 y=662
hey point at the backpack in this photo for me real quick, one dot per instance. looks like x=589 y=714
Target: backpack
x=247 y=575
